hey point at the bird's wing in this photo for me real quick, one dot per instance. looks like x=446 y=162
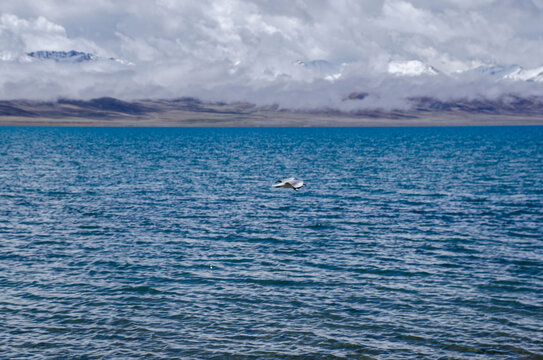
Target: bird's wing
x=289 y=183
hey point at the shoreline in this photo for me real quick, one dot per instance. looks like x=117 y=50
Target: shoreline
x=190 y=112
x=275 y=120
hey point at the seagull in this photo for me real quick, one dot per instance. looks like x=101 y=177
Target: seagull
x=289 y=183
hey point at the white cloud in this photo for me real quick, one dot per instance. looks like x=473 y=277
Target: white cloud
x=19 y=36
x=247 y=49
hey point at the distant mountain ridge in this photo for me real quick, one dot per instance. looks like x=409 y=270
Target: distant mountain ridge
x=112 y=108
x=505 y=105
x=330 y=71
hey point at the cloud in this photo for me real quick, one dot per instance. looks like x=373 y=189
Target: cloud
x=19 y=36
x=249 y=49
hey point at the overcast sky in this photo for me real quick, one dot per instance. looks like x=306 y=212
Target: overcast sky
x=251 y=50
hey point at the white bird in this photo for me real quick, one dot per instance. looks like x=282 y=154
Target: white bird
x=289 y=183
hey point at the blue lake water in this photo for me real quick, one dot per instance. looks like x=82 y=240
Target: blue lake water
x=171 y=243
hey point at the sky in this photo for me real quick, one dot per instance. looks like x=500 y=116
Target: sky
x=297 y=53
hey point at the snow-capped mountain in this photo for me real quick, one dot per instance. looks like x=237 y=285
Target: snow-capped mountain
x=521 y=74
x=62 y=56
x=410 y=68
x=511 y=72
x=321 y=69
x=69 y=57
x=497 y=71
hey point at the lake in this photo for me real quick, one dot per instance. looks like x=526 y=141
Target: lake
x=171 y=243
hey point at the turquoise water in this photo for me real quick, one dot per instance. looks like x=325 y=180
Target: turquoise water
x=171 y=243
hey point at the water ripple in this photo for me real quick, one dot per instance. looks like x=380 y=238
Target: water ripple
x=171 y=243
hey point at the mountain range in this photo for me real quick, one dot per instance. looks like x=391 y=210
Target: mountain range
x=328 y=70
x=111 y=108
